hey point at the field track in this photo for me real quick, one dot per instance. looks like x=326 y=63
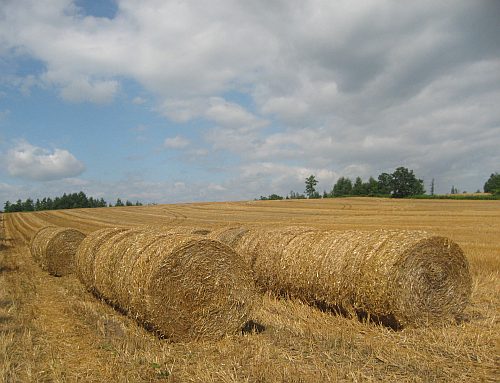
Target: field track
x=52 y=330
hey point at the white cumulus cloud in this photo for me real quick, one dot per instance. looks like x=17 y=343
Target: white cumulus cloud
x=34 y=163
x=177 y=142
x=231 y=115
x=85 y=90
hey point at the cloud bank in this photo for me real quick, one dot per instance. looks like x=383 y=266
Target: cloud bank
x=335 y=88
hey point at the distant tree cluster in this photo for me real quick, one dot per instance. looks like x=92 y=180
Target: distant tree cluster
x=493 y=184
x=401 y=183
x=66 y=201
x=272 y=197
x=276 y=197
x=295 y=195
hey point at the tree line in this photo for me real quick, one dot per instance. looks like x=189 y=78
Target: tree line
x=402 y=183
x=66 y=201
x=399 y=184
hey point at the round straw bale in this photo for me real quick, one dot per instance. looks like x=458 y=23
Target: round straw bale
x=55 y=249
x=139 y=243
x=246 y=242
x=230 y=235
x=109 y=259
x=399 y=277
x=203 y=289
x=36 y=243
x=85 y=255
x=183 y=286
x=136 y=244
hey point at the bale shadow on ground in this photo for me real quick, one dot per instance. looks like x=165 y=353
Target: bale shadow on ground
x=6 y=302
x=8 y=269
x=388 y=321
x=4 y=319
x=252 y=327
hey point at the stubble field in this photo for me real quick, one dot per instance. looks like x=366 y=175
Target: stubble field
x=53 y=330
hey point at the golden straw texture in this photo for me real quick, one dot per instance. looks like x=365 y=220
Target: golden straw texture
x=87 y=251
x=54 y=248
x=195 y=230
x=183 y=229
x=36 y=245
x=398 y=277
x=185 y=287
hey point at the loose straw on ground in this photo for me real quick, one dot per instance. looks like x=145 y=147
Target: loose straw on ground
x=183 y=286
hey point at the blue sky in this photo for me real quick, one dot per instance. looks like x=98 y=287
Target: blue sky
x=168 y=101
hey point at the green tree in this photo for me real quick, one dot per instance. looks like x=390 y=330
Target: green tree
x=129 y=203
x=371 y=187
x=342 y=187
x=119 y=202
x=18 y=206
x=81 y=200
x=50 y=204
x=358 y=187
x=311 y=182
x=405 y=184
x=7 y=206
x=385 y=183
x=493 y=184
x=28 y=205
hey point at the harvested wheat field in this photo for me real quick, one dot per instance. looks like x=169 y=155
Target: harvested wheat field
x=53 y=329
